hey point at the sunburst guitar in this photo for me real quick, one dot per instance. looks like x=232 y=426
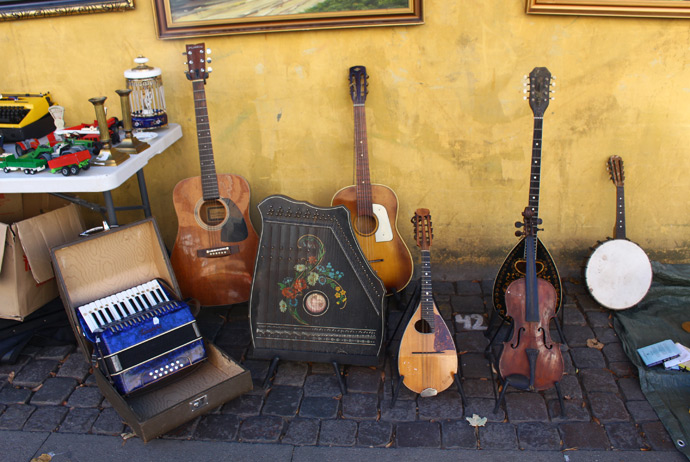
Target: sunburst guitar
x=214 y=253
x=513 y=267
x=373 y=207
x=427 y=359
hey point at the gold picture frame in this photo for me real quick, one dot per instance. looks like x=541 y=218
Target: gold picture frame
x=631 y=8
x=195 y=18
x=13 y=10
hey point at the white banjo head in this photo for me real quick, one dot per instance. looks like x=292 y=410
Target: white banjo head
x=618 y=274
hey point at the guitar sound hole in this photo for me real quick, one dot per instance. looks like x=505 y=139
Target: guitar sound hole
x=521 y=267
x=422 y=327
x=365 y=224
x=212 y=213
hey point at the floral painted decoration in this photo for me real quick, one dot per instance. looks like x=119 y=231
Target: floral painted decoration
x=310 y=272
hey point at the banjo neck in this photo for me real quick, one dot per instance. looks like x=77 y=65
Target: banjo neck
x=615 y=167
x=619 y=229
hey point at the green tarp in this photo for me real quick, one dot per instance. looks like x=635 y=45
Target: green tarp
x=658 y=317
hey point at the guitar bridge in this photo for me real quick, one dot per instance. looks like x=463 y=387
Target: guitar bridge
x=218 y=251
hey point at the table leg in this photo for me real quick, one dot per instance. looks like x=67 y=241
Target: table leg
x=144 y=193
x=110 y=208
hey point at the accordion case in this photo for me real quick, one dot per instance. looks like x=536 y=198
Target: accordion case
x=314 y=295
x=148 y=342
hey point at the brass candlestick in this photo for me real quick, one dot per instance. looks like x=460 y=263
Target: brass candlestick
x=108 y=156
x=129 y=144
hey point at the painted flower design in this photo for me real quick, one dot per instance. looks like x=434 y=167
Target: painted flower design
x=310 y=272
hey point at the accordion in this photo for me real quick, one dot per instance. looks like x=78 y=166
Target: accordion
x=141 y=336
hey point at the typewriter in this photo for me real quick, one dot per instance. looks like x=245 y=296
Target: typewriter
x=24 y=116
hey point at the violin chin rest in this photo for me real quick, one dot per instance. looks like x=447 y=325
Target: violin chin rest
x=518 y=381
x=427 y=392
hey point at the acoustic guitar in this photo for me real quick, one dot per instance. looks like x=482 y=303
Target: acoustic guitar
x=618 y=272
x=427 y=359
x=373 y=207
x=213 y=256
x=514 y=265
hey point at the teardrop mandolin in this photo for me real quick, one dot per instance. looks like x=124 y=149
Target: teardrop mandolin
x=513 y=267
x=427 y=359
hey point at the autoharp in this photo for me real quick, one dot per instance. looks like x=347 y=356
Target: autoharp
x=314 y=296
x=141 y=335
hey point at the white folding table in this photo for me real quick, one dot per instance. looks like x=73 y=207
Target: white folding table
x=96 y=179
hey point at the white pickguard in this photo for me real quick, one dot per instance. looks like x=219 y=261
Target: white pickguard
x=384 y=232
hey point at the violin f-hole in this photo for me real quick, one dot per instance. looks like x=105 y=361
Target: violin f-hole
x=543 y=334
x=519 y=332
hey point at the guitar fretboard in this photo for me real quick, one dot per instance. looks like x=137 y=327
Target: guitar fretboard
x=363 y=182
x=427 y=300
x=209 y=180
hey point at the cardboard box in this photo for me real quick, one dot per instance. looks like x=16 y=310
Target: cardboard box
x=121 y=258
x=29 y=228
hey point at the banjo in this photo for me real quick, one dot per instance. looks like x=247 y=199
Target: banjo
x=618 y=273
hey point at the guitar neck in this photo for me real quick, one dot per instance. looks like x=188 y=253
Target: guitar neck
x=209 y=180
x=427 y=300
x=363 y=183
x=619 y=229
x=535 y=170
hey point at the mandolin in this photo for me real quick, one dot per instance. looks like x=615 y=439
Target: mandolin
x=214 y=252
x=513 y=267
x=373 y=207
x=530 y=359
x=618 y=272
x=427 y=359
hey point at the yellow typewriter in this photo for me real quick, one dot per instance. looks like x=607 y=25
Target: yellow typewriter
x=24 y=116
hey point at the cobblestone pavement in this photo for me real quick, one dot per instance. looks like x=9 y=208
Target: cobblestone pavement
x=50 y=389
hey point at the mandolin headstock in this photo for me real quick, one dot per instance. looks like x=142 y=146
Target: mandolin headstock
x=359 y=84
x=196 y=60
x=615 y=168
x=423 y=230
x=539 y=90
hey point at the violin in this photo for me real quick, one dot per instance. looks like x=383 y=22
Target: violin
x=531 y=360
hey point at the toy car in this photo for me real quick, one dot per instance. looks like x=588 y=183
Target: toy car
x=70 y=163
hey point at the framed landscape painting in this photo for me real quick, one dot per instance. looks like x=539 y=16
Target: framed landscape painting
x=190 y=18
x=26 y=9
x=638 y=8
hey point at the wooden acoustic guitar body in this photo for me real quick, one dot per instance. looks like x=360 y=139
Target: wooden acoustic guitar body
x=215 y=250
x=427 y=361
x=513 y=268
x=378 y=235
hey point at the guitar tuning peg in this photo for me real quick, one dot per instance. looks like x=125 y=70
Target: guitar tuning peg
x=208 y=51
x=524 y=97
x=208 y=60
x=519 y=233
x=210 y=69
x=518 y=224
x=551 y=98
x=553 y=84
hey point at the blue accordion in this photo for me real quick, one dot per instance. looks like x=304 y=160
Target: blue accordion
x=141 y=336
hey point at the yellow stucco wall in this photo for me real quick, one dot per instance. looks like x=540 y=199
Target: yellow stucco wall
x=448 y=127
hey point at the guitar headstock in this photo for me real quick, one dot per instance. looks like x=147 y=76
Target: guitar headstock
x=615 y=167
x=539 y=90
x=423 y=231
x=358 y=84
x=196 y=59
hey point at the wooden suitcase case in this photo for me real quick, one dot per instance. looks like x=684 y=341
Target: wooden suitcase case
x=118 y=259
